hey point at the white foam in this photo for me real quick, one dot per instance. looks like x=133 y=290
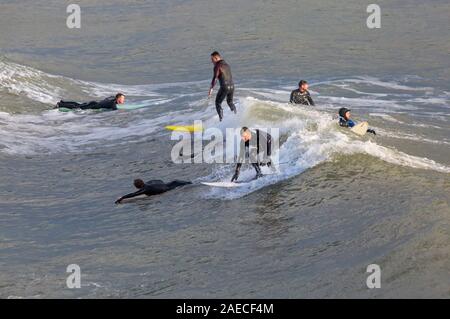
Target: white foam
x=312 y=135
x=372 y=81
x=386 y=117
x=22 y=80
x=369 y=102
x=307 y=146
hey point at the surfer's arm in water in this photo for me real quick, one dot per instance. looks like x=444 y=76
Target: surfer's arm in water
x=309 y=98
x=131 y=195
x=291 y=99
x=369 y=130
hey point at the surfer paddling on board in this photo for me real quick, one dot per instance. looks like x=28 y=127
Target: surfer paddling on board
x=222 y=72
x=252 y=141
x=301 y=95
x=346 y=121
x=153 y=187
x=108 y=103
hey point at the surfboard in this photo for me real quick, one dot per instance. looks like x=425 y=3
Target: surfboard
x=185 y=128
x=224 y=184
x=63 y=109
x=360 y=129
x=131 y=106
x=67 y=110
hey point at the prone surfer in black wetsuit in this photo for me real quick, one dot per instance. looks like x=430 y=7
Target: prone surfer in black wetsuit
x=301 y=95
x=222 y=72
x=262 y=141
x=108 y=103
x=153 y=187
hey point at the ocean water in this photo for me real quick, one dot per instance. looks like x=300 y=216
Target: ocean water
x=337 y=203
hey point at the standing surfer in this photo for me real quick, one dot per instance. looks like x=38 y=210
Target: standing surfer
x=222 y=72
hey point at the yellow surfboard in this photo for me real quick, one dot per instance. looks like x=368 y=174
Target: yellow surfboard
x=185 y=128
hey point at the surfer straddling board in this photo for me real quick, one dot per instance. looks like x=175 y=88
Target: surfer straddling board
x=346 y=121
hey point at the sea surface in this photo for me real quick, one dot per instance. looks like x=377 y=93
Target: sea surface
x=337 y=203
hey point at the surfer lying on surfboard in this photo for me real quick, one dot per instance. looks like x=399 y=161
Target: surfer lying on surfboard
x=252 y=141
x=153 y=187
x=108 y=103
x=346 y=121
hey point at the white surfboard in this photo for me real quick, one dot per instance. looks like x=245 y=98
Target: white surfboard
x=223 y=184
x=360 y=129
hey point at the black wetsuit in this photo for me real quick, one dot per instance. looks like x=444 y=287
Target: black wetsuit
x=263 y=142
x=222 y=71
x=154 y=187
x=108 y=103
x=298 y=97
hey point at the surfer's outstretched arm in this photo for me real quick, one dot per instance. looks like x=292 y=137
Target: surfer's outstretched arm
x=310 y=100
x=131 y=195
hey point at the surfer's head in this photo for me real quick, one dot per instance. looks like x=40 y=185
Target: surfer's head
x=246 y=135
x=120 y=98
x=139 y=183
x=303 y=85
x=215 y=57
x=344 y=113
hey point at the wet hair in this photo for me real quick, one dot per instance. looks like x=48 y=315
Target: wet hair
x=302 y=82
x=244 y=129
x=215 y=53
x=139 y=183
x=119 y=95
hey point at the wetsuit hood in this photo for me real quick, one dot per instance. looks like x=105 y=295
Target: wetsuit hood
x=342 y=112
